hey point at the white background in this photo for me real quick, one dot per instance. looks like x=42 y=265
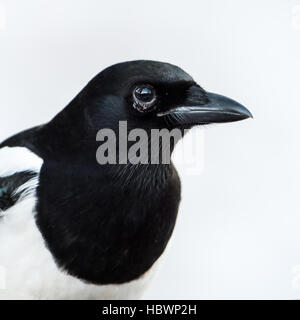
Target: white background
x=238 y=231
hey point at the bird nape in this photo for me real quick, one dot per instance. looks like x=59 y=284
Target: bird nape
x=102 y=223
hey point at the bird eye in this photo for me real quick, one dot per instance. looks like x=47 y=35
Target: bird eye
x=144 y=98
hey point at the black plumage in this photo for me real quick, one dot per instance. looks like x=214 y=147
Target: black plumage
x=9 y=185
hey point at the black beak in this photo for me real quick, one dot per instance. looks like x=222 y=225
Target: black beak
x=216 y=109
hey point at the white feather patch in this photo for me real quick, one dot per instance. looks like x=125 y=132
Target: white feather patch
x=17 y=159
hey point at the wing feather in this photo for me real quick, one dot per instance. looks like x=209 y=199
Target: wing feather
x=19 y=170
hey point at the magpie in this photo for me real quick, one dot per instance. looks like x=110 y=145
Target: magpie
x=71 y=228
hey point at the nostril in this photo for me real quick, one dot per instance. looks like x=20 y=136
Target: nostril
x=196 y=93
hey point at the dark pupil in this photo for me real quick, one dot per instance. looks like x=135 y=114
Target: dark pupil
x=144 y=94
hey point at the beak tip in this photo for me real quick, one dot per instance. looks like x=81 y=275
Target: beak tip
x=248 y=114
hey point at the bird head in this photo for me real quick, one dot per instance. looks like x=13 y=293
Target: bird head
x=151 y=94
x=147 y=95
